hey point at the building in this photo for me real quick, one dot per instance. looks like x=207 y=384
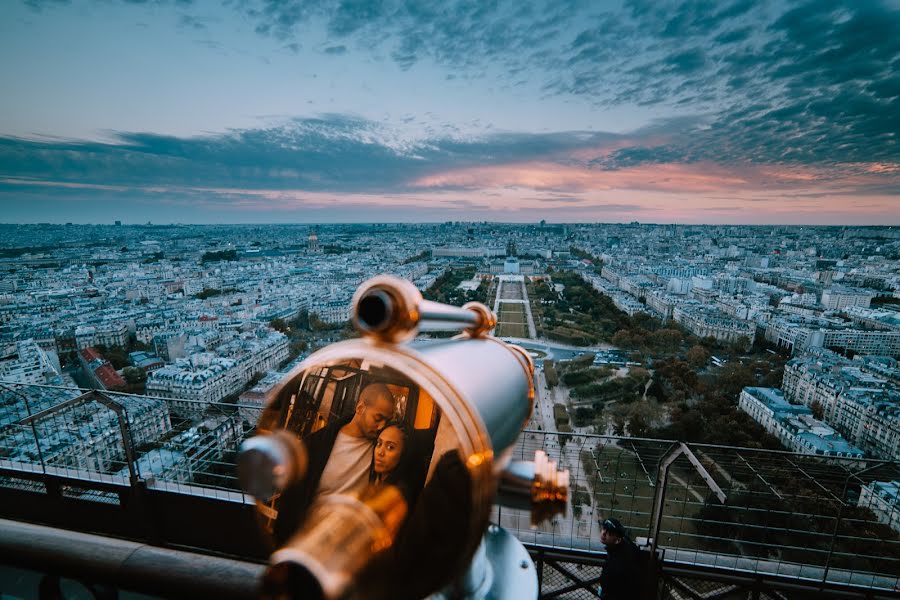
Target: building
x=145 y=361
x=99 y=370
x=466 y=252
x=794 y=424
x=883 y=499
x=29 y=363
x=798 y=333
x=868 y=318
x=162 y=463
x=85 y=435
x=704 y=321
x=194 y=382
x=837 y=298
x=332 y=312
x=860 y=398
x=108 y=334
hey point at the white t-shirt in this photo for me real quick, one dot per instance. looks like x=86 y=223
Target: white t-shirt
x=347 y=469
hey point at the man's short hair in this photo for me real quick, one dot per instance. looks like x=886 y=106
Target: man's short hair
x=375 y=390
x=614 y=526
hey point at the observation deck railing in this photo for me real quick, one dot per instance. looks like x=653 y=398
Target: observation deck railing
x=788 y=519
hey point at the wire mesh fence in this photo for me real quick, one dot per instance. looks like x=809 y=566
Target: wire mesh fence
x=810 y=517
x=112 y=437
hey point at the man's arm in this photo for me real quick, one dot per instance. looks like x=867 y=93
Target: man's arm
x=296 y=499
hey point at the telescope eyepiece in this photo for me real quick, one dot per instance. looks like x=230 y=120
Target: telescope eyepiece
x=268 y=463
x=374 y=310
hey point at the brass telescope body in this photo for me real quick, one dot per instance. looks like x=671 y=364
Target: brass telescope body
x=483 y=393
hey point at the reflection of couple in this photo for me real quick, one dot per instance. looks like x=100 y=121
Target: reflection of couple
x=346 y=455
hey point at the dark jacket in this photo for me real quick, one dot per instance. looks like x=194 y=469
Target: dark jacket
x=296 y=499
x=432 y=542
x=621 y=576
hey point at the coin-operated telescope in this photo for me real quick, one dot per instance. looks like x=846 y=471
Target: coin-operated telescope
x=377 y=460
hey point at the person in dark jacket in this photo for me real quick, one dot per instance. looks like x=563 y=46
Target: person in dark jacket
x=340 y=457
x=621 y=576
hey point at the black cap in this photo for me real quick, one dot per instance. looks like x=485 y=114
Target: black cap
x=614 y=526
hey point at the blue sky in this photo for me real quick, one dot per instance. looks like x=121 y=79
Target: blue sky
x=305 y=111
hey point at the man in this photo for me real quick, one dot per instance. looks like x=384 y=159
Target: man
x=347 y=467
x=339 y=457
x=620 y=578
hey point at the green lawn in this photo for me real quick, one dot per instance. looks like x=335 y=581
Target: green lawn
x=511 y=320
x=622 y=489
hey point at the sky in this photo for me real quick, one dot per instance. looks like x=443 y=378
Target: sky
x=296 y=111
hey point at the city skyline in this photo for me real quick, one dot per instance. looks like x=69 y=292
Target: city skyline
x=268 y=112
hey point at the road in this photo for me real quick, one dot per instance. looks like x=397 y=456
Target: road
x=565 y=528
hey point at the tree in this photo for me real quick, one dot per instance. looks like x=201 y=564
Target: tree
x=583 y=415
x=698 y=356
x=317 y=324
x=565 y=436
x=618 y=423
x=817 y=409
x=134 y=375
x=550 y=374
x=117 y=356
x=742 y=344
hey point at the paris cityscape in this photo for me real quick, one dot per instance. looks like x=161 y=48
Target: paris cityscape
x=806 y=317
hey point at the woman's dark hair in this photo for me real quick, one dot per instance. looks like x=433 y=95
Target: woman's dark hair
x=401 y=472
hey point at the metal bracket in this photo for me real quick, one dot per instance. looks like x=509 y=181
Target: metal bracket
x=115 y=406
x=659 y=497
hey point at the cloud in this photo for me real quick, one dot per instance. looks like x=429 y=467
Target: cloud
x=811 y=82
x=347 y=154
x=192 y=22
x=40 y=5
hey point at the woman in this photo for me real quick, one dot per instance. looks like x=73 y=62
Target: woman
x=391 y=456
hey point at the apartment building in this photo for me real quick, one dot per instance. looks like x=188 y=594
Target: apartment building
x=855 y=396
x=883 y=499
x=705 y=321
x=28 y=363
x=794 y=424
x=837 y=298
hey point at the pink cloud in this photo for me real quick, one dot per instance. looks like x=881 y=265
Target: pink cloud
x=556 y=177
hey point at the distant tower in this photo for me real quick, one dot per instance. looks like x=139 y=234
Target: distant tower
x=510 y=248
x=313 y=242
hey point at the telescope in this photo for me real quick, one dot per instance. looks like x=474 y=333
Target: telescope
x=376 y=461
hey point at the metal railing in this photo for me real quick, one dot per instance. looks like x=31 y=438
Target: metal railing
x=808 y=519
x=784 y=515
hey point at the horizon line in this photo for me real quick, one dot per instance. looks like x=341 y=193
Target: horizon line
x=497 y=222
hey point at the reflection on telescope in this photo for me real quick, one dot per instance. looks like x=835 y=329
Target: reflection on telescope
x=339 y=412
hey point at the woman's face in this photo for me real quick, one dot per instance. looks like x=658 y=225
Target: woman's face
x=388 y=450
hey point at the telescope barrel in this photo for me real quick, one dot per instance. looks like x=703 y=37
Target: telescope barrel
x=392 y=310
x=434 y=316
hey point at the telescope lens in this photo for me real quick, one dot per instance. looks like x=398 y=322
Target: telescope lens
x=290 y=580
x=374 y=309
